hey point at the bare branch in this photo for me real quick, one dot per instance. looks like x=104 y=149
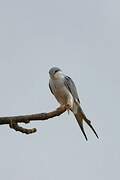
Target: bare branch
x=14 y=120
x=16 y=127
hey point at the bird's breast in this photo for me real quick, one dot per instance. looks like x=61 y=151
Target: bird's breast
x=62 y=94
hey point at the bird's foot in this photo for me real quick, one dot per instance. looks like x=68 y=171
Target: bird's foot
x=68 y=107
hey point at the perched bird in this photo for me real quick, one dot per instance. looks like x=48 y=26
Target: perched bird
x=64 y=90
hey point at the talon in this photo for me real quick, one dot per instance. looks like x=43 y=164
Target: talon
x=68 y=107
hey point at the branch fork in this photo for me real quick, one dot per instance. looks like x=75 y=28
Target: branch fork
x=14 y=120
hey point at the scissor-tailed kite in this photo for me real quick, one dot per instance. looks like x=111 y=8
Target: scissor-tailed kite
x=63 y=88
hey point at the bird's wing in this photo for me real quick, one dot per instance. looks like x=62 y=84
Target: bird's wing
x=80 y=116
x=51 y=88
x=71 y=87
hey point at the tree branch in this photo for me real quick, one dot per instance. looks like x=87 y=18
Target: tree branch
x=14 y=120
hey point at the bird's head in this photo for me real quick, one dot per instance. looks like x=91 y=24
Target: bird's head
x=55 y=72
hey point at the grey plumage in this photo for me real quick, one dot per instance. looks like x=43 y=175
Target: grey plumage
x=53 y=70
x=64 y=89
x=71 y=87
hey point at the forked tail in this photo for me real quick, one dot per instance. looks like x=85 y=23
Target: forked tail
x=80 y=117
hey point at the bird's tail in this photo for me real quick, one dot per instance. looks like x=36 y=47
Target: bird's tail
x=80 y=117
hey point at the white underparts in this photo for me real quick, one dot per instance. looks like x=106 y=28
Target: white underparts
x=60 y=91
x=59 y=75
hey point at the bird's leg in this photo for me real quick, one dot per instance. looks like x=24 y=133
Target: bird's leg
x=68 y=108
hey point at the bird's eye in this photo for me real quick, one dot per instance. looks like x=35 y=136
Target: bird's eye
x=56 y=71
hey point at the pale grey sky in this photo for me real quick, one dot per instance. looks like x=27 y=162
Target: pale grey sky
x=83 y=39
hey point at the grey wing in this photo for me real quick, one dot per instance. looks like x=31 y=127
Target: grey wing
x=71 y=87
x=51 y=88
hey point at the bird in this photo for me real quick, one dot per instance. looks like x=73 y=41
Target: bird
x=65 y=92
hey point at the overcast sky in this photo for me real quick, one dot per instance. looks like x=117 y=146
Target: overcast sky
x=83 y=39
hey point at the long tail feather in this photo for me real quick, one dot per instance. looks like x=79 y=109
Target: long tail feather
x=80 y=116
x=88 y=122
x=80 y=122
x=90 y=125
